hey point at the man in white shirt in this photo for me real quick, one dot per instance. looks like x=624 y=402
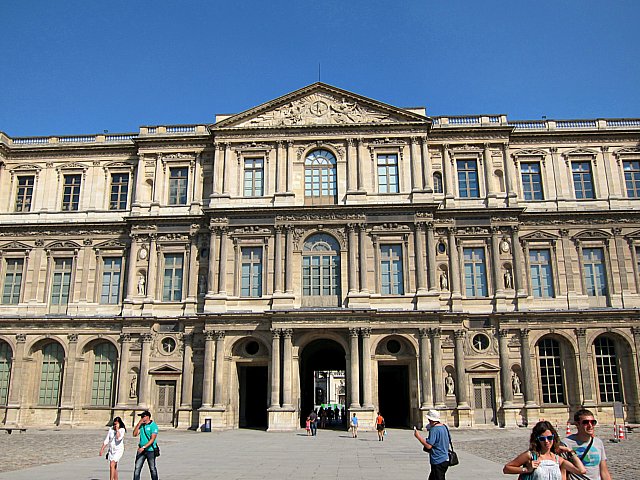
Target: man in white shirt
x=588 y=447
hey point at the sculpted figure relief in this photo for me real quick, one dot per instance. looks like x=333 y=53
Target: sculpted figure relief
x=449 y=384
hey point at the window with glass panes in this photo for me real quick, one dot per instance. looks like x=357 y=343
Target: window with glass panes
x=51 y=374
x=632 y=178
x=391 y=272
x=475 y=272
x=12 y=281
x=111 y=280
x=607 y=368
x=172 y=284
x=5 y=371
x=541 y=273
x=468 y=178
x=61 y=281
x=388 y=173
x=251 y=272
x=104 y=370
x=551 y=379
x=320 y=175
x=582 y=179
x=24 y=193
x=320 y=266
x=437 y=183
x=71 y=192
x=531 y=181
x=119 y=191
x=253 y=177
x=595 y=277
x=178 y=179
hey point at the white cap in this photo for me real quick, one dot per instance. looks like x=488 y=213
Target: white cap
x=433 y=415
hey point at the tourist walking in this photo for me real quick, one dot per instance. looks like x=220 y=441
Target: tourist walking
x=147 y=446
x=307 y=426
x=114 y=444
x=543 y=459
x=437 y=445
x=313 y=423
x=354 y=426
x=588 y=447
x=380 y=426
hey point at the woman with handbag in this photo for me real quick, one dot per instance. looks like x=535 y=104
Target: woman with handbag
x=114 y=444
x=542 y=461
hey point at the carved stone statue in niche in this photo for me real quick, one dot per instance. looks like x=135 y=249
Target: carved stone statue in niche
x=516 y=383
x=508 y=279
x=444 y=281
x=133 y=387
x=141 y=284
x=449 y=384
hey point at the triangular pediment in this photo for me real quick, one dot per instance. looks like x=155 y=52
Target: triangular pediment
x=320 y=104
x=15 y=245
x=483 y=367
x=539 y=235
x=165 y=369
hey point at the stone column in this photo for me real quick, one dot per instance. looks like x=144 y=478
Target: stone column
x=123 y=370
x=152 y=274
x=505 y=370
x=454 y=263
x=187 y=371
x=287 y=358
x=196 y=198
x=139 y=179
x=219 y=370
x=461 y=383
x=447 y=163
x=351 y=234
x=143 y=377
x=527 y=368
x=486 y=158
x=352 y=165
x=211 y=274
x=366 y=367
x=290 y=155
x=425 y=370
x=222 y=271
x=426 y=167
x=362 y=155
x=354 y=369
x=288 y=269
x=225 y=168
x=498 y=281
x=509 y=175
x=207 y=377
x=275 y=368
x=420 y=257
x=192 y=279
x=66 y=401
x=157 y=181
x=14 y=401
x=416 y=171
x=131 y=268
x=518 y=263
x=436 y=367
x=584 y=367
x=431 y=258
x=277 y=260
x=362 y=256
x=218 y=165
x=281 y=166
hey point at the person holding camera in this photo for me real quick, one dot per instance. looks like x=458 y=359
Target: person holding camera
x=114 y=444
x=437 y=444
x=147 y=447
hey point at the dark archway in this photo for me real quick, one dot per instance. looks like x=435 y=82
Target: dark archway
x=253 y=382
x=319 y=355
x=393 y=394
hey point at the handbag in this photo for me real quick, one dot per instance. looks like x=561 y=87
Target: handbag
x=156 y=450
x=528 y=476
x=453 y=456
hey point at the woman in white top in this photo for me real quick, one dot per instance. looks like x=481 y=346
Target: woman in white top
x=542 y=460
x=115 y=443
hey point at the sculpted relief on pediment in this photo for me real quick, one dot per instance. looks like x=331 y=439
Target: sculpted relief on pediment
x=319 y=109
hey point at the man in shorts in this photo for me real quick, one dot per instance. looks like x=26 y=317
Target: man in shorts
x=588 y=447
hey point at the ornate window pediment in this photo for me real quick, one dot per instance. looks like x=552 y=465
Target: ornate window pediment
x=63 y=245
x=483 y=367
x=15 y=245
x=539 y=236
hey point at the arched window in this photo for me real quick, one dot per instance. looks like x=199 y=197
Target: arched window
x=320 y=184
x=321 y=267
x=5 y=371
x=607 y=368
x=51 y=374
x=551 y=379
x=437 y=183
x=104 y=369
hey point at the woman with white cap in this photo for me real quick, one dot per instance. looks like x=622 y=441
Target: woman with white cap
x=437 y=444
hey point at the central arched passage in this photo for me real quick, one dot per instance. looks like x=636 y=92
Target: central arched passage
x=322 y=377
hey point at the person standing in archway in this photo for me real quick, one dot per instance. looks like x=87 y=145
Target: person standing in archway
x=354 y=426
x=313 y=423
x=380 y=426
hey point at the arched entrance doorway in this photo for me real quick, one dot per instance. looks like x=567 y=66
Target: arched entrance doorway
x=322 y=377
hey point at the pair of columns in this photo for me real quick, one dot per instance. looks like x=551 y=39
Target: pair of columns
x=354 y=368
x=281 y=368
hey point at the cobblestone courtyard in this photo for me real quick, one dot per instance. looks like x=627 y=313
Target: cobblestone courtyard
x=238 y=451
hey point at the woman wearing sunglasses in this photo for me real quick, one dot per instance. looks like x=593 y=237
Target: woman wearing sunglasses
x=543 y=460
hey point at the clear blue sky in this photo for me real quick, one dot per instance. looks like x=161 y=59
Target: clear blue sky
x=82 y=66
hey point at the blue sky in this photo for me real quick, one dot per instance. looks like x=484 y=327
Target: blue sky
x=75 y=67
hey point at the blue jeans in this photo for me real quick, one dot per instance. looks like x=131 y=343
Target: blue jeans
x=150 y=457
x=314 y=428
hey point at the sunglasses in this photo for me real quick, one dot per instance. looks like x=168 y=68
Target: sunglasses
x=589 y=422
x=547 y=438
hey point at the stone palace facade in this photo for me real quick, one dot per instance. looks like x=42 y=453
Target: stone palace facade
x=485 y=267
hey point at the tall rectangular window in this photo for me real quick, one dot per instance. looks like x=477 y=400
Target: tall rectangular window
x=111 y=280
x=104 y=370
x=595 y=277
x=388 y=173
x=541 y=273
x=582 y=179
x=392 y=281
x=119 y=191
x=178 y=179
x=24 y=193
x=12 y=281
x=253 y=177
x=172 y=286
x=468 y=179
x=551 y=371
x=71 y=192
x=475 y=273
x=531 y=181
x=251 y=272
x=51 y=375
x=632 y=178
x=61 y=283
x=5 y=371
